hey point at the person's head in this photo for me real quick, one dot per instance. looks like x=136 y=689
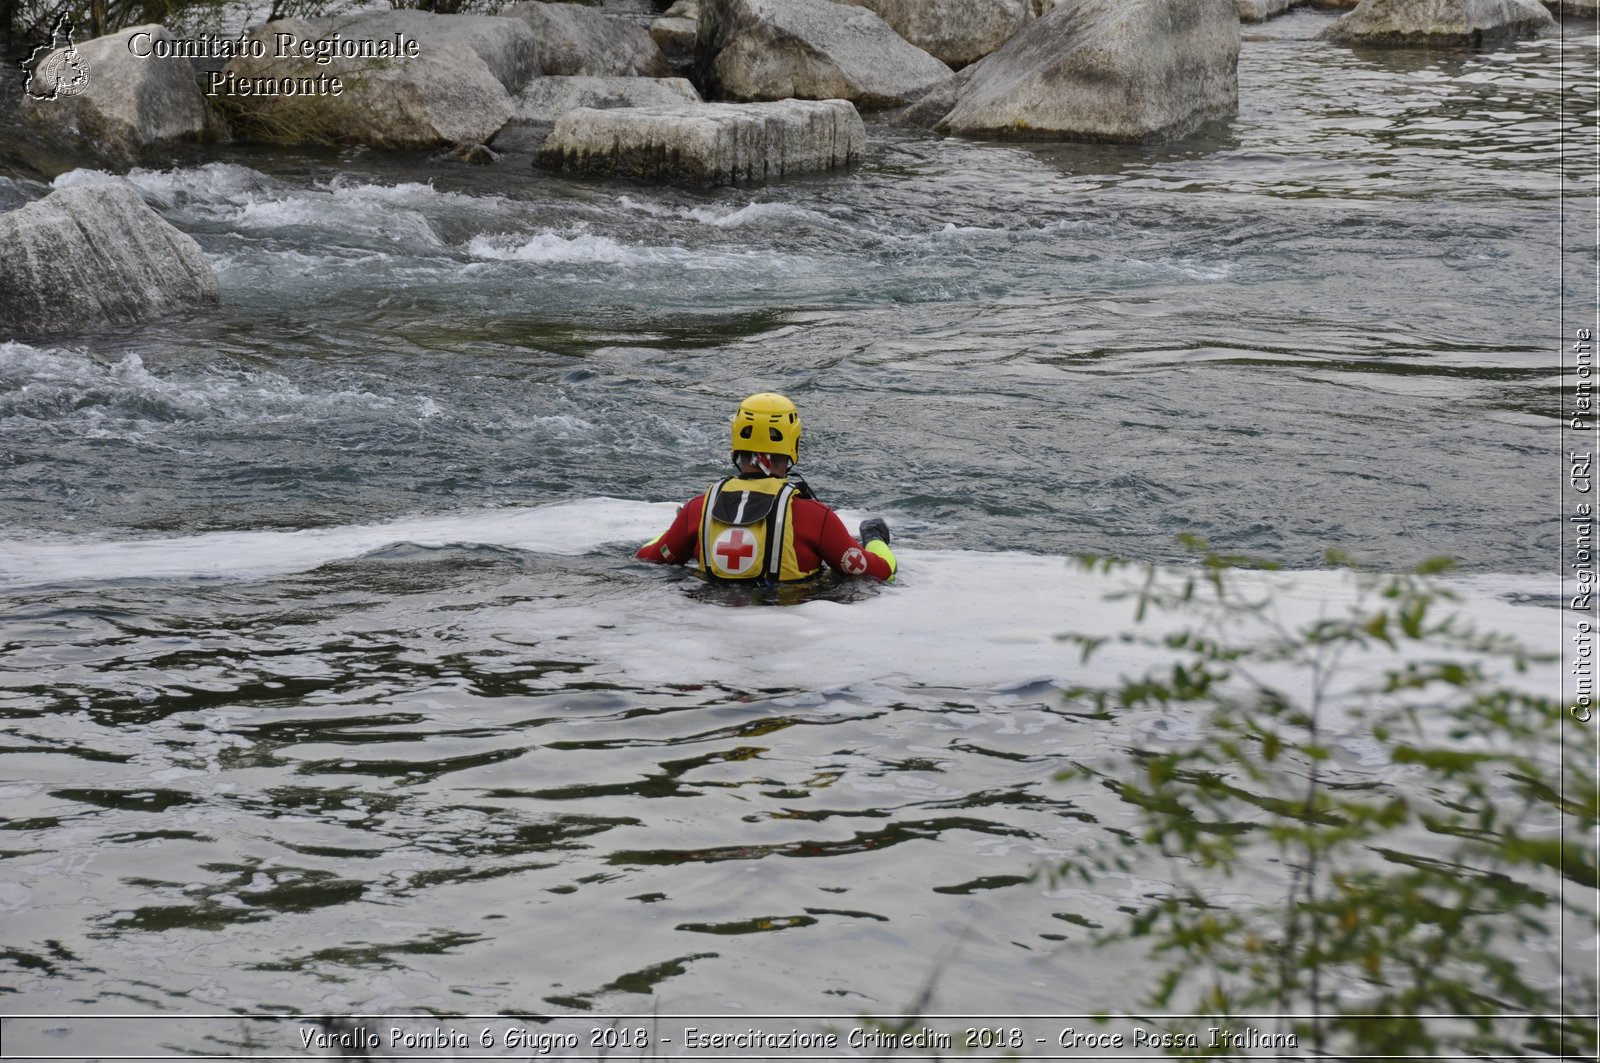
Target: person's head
x=766 y=435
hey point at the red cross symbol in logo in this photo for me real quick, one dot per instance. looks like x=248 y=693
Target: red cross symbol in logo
x=736 y=550
x=854 y=562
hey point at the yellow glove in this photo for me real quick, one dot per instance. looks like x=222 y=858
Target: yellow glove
x=879 y=548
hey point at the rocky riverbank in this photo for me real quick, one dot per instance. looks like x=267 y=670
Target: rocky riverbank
x=1110 y=70
x=706 y=92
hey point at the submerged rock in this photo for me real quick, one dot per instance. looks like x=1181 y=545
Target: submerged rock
x=708 y=143
x=809 y=50
x=96 y=253
x=1261 y=10
x=1113 y=70
x=1438 y=22
x=123 y=103
x=574 y=39
x=443 y=95
x=546 y=99
x=956 y=32
x=474 y=154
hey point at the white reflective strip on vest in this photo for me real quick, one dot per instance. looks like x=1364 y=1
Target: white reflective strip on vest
x=776 y=531
x=705 y=526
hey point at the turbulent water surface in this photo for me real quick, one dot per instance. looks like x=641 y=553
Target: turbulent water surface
x=329 y=685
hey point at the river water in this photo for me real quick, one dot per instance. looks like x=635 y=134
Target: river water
x=329 y=685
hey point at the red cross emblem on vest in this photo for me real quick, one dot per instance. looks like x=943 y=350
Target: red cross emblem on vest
x=735 y=551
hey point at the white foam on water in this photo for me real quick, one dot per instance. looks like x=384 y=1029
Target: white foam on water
x=223 y=183
x=412 y=193
x=339 y=213
x=561 y=529
x=1187 y=267
x=576 y=246
x=750 y=214
x=73 y=388
x=552 y=247
x=290 y=262
x=726 y=215
x=952 y=231
x=252 y=201
x=86 y=177
x=959 y=619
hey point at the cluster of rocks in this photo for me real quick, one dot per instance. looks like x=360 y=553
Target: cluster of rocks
x=711 y=92
x=1114 y=70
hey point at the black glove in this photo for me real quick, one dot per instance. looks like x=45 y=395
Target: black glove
x=874 y=528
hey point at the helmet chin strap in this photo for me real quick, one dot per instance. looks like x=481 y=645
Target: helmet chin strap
x=766 y=463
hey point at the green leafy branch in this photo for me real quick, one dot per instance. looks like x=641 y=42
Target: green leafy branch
x=1418 y=898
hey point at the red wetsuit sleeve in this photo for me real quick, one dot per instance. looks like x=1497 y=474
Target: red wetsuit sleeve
x=819 y=529
x=675 y=546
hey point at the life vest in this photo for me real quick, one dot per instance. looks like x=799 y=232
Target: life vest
x=747 y=531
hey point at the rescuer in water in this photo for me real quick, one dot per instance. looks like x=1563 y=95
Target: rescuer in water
x=761 y=525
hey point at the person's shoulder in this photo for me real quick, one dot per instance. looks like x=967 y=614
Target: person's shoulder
x=816 y=513
x=810 y=505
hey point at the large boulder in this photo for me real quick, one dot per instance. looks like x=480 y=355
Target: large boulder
x=956 y=32
x=96 y=253
x=507 y=46
x=544 y=100
x=1397 y=23
x=574 y=39
x=708 y=143
x=810 y=50
x=126 y=102
x=442 y=95
x=1113 y=70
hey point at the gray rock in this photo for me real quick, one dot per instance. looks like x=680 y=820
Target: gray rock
x=1576 y=8
x=96 y=253
x=1261 y=10
x=675 y=36
x=1112 y=70
x=474 y=154
x=574 y=39
x=543 y=100
x=956 y=32
x=674 y=32
x=1397 y=23
x=929 y=109
x=507 y=46
x=444 y=96
x=811 y=50
x=708 y=143
x=128 y=103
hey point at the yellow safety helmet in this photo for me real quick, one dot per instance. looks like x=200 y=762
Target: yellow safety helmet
x=766 y=423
